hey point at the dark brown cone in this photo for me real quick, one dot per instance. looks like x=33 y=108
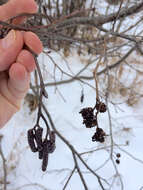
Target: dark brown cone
x=100 y=107
x=118 y=155
x=87 y=113
x=99 y=136
x=88 y=117
x=117 y=161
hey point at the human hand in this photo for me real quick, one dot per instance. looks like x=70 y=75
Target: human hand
x=16 y=63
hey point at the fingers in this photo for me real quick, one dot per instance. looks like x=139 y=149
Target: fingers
x=33 y=42
x=12 y=44
x=12 y=91
x=10 y=47
x=27 y=60
x=10 y=50
x=15 y=7
x=18 y=82
x=19 y=75
x=17 y=85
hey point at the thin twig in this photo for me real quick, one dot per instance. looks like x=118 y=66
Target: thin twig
x=79 y=172
x=71 y=174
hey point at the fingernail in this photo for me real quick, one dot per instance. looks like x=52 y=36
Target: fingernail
x=8 y=40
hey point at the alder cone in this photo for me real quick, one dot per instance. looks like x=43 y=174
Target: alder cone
x=118 y=155
x=88 y=123
x=87 y=113
x=99 y=136
x=117 y=161
x=101 y=107
x=88 y=117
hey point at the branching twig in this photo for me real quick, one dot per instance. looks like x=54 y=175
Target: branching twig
x=79 y=172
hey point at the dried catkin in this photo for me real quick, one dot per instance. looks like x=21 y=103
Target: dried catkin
x=52 y=136
x=31 y=140
x=51 y=146
x=41 y=154
x=38 y=138
x=43 y=147
x=45 y=155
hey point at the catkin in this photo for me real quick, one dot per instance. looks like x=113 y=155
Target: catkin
x=31 y=140
x=45 y=155
x=51 y=146
x=38 y=138
x=52 y=136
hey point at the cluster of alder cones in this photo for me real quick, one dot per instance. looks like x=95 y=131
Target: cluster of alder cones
x=43 y=147
x=90 y=120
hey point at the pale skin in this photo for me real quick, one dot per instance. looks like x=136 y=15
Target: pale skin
x=16 y=63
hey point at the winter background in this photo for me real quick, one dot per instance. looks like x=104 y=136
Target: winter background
x=23 y=166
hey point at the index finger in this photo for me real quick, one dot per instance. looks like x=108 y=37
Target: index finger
x=14 y=7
